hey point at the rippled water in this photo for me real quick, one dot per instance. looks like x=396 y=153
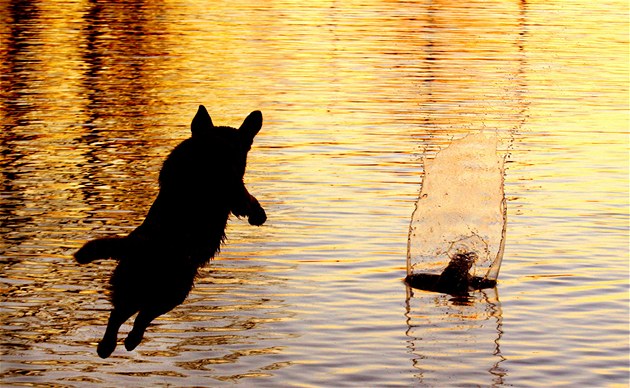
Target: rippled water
x=95 y=94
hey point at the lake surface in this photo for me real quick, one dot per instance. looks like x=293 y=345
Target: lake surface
x=354 y=95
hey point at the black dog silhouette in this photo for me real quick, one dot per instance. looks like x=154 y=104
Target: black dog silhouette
x=201 y=182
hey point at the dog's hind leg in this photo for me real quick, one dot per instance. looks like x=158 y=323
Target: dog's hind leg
x=116 y=318
x=142 y=322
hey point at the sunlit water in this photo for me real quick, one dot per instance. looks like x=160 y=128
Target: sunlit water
x=354 y=95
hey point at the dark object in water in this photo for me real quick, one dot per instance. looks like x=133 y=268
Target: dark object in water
x=454 y=280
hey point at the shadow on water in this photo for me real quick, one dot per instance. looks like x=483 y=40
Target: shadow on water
x=18 y=66
x=119 y=49
x=119 y=40
x=454 y=338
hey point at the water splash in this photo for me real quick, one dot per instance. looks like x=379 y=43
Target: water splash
x=461 y=209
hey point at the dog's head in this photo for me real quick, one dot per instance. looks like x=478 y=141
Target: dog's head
x=230 y=142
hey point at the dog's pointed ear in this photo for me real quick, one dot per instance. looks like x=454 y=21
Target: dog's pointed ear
x=202 y=121
x=251 y=126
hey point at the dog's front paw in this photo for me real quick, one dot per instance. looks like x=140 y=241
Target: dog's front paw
x=87 y=253
x=257 y=216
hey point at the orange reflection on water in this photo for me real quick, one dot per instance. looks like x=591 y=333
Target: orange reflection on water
x=94 y=96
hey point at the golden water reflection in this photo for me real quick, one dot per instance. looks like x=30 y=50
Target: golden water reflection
x=444 y=335
x=353 y=95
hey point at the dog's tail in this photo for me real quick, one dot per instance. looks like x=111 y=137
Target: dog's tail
x=102 y=248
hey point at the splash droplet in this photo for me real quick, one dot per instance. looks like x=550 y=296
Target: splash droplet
x=461 y=209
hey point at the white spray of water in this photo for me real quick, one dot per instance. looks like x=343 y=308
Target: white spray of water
x=461 y=208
